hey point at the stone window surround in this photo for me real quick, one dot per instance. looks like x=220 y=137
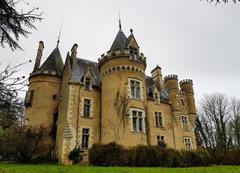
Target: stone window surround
x=187 y=124
x=185 y=138
x=91 y=107
x=160 y=136
x=90 y=138
x=143 y=120
x=129 y=88
x=163 y=120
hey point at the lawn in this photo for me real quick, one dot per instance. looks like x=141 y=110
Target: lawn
x=44 y=168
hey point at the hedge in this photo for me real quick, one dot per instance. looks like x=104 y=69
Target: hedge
x=112 y=154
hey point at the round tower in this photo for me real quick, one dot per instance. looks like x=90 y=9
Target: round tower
x=42 y=97
x=171 y=84
x=187 y=87
x=123 y=87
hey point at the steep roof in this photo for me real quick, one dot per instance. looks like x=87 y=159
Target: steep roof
x=150 y=85
x=119 y=41
x=53 y=63
x=81 y=67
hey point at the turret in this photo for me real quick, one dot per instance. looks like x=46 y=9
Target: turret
x=39 y=55
x=187 y=87
x=43 y=92
x=122 y=72
x=171 y=84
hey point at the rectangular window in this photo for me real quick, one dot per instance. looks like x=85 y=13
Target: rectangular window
x=137 y=121
x=86 y=108
x=188 y=143
x=158 y=119
x=135 y=89
x=182 y=100
x=85 y=138
x=185 y=123
x=87 y=83
x=160 y=139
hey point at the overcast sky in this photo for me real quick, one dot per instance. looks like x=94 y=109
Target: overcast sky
x=190 y=38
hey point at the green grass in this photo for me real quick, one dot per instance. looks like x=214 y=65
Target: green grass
x=45 y=168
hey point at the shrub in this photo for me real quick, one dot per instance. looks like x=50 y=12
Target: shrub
x=172 y=158
x=110 y=154
x=113 y=154
x=26 y=144
x=76 y=155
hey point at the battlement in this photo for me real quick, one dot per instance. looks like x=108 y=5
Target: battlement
x=185 y=81
x=170 y=77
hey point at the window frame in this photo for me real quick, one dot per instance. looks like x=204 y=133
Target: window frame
x=157 y=124
x=90 y=108
x=188 y=145
x=85 y=140
x=185 y=125
x=160 y=139
x=135 y=96
x=138 y=117
x=89 y=86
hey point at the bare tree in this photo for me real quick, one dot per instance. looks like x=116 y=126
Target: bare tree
x=223 y=1
x=14 y=24
x=11 y=105
x=212 y=123
x=234 y=125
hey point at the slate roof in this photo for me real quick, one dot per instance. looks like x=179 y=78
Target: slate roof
x=150 y=85
x=53 y=63
x=82 y=66
x=119 y=42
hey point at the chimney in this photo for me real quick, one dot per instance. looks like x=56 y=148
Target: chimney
x=157 y=76
x=74 y=54
x=39 y=56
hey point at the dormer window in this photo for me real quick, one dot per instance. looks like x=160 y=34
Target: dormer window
x=182 y=101
x=134 y=54
x=87 y=83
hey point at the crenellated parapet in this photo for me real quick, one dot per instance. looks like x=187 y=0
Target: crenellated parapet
x=122 y=68
x=171 y=82
x=186 y=86
x=185 y=81
x=170 y=77
x=122 y=53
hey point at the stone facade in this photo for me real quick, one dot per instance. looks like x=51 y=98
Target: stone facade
x=109 y=100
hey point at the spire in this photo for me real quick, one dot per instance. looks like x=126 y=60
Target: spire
x=59 y=35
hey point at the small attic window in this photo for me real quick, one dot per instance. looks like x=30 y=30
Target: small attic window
x=134 y=54
x=82 y=79
x=87 y=83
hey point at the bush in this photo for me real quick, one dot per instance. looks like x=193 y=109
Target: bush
x=113 y=154
x=76 y=155
x=110 y=154
x=26 y=144
x=172 y=158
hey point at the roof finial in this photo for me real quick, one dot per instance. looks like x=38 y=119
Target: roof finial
x=119 y=21
x=59 y=35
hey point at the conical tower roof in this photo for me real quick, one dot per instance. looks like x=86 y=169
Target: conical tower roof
x=53 y=63
x=119 y=41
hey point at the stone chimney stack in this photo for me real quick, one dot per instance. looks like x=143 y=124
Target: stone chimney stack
x=157 y=77
x=74 y=54
x=39 y=56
